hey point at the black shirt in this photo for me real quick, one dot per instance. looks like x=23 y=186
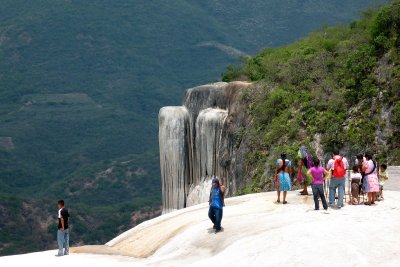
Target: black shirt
x=63 y=213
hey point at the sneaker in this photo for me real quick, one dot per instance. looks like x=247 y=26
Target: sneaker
x=217 y=230
x=58 y=255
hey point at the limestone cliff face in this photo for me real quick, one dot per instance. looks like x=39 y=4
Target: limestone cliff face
x=199 y=140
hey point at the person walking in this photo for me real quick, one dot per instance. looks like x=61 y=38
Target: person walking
x=283 y=174
x=216 y=203
x=63 y=231
x=337 y=165
x=317 y=174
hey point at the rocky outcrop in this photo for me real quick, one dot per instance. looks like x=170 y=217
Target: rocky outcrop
x=199 y=140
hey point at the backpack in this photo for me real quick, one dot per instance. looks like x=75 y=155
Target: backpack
x=338 y=168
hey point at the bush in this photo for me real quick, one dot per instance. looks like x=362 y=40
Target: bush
x=325 y=83
x=385 y=28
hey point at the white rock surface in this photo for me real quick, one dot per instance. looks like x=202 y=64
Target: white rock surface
x=257 y=232
x=199 y=193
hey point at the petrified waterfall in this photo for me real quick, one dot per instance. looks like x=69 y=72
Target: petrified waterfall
x=173 y=134
x=209 y=126
x=197 y=142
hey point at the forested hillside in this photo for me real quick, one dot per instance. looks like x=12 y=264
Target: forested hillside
x=81 y=83
x=338 y=87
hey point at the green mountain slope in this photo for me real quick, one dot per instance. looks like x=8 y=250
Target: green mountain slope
x=336 y=88
x=81 y=83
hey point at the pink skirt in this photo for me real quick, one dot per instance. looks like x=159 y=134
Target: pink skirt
x=373 y=183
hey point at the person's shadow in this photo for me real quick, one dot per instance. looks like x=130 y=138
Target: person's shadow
x=212 y=230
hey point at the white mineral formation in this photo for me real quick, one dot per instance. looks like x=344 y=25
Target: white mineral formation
x=257 y=232
x=194 y=143
x=199 y=193
x=209 y=126
x=173 y=134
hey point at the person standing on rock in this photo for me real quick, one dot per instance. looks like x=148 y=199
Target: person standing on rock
x=370 y=183
x=305 y=163
x=383 y=177
x=359 y=163
x=317 y=173
x=338 y=166
x=63 y=232
x=283 y=174
x=216 y=202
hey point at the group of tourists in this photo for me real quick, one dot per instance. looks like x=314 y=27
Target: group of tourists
x=365 y=178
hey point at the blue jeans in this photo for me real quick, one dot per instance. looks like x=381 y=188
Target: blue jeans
x=63 y=241
x=336 y=183
x=215 y=216
x=318 y=191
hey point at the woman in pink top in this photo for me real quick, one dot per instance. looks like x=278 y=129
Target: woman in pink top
x=317 y=174
x=370 y=183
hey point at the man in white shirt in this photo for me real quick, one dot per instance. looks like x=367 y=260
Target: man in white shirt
x=338 y=166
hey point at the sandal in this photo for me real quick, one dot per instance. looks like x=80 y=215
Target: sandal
x=278 y=201
x=284 y=202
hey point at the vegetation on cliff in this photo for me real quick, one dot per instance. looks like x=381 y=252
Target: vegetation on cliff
x=337 y=88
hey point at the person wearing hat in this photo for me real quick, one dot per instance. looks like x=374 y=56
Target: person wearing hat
x=216 y=203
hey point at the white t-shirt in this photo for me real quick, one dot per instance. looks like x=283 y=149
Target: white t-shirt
x=331 y=163
x=355 y=175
